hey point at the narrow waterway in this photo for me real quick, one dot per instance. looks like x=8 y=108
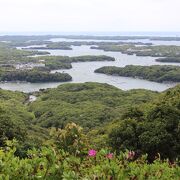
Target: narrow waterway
x=84 y=71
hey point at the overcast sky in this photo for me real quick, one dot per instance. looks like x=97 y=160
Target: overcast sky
x=89 y=15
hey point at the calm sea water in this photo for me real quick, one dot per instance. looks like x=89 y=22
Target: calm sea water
x=84 y=71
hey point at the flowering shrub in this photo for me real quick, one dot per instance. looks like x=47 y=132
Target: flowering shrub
x=54 y=162
x=50 y=164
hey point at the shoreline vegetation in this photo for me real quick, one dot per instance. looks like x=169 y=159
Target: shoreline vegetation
x=157 y=73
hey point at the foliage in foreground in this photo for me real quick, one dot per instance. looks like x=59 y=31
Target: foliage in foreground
x=150 y=128
x=66 y=157
x=16 y=122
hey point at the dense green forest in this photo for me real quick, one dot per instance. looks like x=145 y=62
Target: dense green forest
x=34 y=76
x=89 y=104
x=155 y=73
x=150 y=128
x=17 y=122
x=120 y=127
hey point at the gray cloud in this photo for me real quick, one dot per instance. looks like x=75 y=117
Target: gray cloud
x=89 y=15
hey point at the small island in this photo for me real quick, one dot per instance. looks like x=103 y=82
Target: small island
x=169 y=60
x=89 y=58
x=51 y=46
x=155 y=73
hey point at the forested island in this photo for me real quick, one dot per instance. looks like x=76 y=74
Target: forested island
x=155 y=73
x=153 y=51
x=119 y=128
x=169 y=60
x=52 y=46
x=34 y=76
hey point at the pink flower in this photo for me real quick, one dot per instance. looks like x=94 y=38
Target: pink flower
x=109 y=156
x=131 y=155
x=92 y=152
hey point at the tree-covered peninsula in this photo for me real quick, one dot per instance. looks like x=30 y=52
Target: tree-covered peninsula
x=155 y=73
x=34 y=76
